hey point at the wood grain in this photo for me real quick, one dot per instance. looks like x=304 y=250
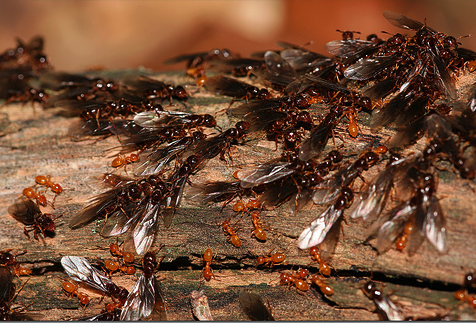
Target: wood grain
x=37 y=142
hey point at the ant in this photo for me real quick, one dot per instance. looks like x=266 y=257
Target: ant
x=325 y=289
x=272 y=259
x=252 y=205
x=72 y=290
x=402 y=240
x=300 y=283
x=258 y=232
x=46 y=181
x=8 y=259
x=324 y=268
x=462 y=294
x=30 y=215
x=207 y=271
x=126 y=257
x=353 y=127
x=124 y=160
x=113 y=266
x=233 y=238
x=31 y=193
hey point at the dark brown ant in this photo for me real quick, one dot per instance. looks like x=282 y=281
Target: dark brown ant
x=254 y=307
x=8 y=259
x=385 y=306
x=154 y=89
x=230 y=87
x=28 y=213
x=146 y=293
x=220 y=144
x=236 y=66
x=7 y=292
x=198 y=59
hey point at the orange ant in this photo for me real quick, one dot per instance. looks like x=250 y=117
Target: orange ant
x=126 y=258
x=258 y=232
x=324 y=268
x=353 y=127
x=72 y=290
x=471 y=66
x=300 y=283
x=110 y=307
x=253 y=204
x=402 y=240
x=46 y=181
x=325 y=289
x=207 y=271
x=31 y=193
x=272 y=259
x=120 y=160
x=233 y=238
x=462 y=294
x=113 y=266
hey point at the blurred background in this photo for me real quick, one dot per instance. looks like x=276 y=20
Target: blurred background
x=84 y=34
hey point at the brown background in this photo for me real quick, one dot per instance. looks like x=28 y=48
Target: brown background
x=127 y=34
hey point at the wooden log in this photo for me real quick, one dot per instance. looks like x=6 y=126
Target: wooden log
x=37 y=143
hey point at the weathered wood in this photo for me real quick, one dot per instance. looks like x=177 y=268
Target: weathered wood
x=423 y=283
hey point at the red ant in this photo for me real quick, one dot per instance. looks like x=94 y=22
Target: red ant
x=353 y=127
x=462 y=294
x=253 y=204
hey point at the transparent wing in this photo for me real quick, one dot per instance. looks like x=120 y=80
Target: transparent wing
x=346 y=48
x=317 y=231
x=401 y=21
x=389 y=308
x=144 y=232
x=141 y=300
x=79 y=269
x=434 y=225
x=390 y=230
x=263 y=174
x=328 y=190
x=368 y=68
